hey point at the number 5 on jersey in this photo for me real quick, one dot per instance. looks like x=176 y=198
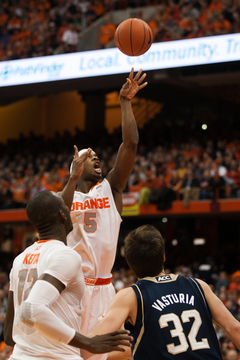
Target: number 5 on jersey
x=90 y=225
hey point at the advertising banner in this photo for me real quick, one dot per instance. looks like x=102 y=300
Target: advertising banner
x=171 y=54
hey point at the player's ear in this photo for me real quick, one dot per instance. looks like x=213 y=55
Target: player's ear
x=164 y=258
x=62 y=216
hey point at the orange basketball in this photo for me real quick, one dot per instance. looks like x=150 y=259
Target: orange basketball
x=133 y=37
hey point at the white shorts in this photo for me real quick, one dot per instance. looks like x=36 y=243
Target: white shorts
x=95 y=302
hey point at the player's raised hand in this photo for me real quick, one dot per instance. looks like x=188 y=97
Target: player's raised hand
x=110 y=342
x=78 y=162
x=133 y=84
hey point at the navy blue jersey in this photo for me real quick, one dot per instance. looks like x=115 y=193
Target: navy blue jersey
x=173 y=321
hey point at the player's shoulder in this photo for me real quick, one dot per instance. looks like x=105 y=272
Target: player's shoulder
x=57 y=250
x=21 y=256
x=64 y=256
x=126 y=295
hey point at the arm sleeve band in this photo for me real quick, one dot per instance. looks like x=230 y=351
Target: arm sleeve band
x=35 y=312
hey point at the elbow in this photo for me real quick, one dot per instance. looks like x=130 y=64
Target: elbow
x=132 y=145
x=9 y=341
x=233 y=328
x=25 y=314
x=7 y=335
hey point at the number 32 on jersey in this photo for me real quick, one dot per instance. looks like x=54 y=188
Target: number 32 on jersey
x=186 y=315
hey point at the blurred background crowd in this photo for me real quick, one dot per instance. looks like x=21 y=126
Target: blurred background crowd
x=185 y=170
x=48 y=27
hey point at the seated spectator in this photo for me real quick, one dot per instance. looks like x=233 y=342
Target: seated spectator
x=182 y=169
x=234 y=174
x=70 y=39
x=6 y=196
x=204 y=184
x=19 y=192
x=107 y=32
x=217 y=186
x=151 y=187
x=222 y=281
x=231 y=354
x=154 y=25
x=232 y=306
x=235 y=282
x=98 y=8
x=35 y=187
x=137 y=176
x=190 y=189
x=164 y=197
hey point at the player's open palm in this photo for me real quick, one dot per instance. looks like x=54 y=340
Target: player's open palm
x=110 y=342
x=78 y=162
x=133 y=84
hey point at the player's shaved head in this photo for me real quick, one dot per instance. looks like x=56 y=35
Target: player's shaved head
x=43 y=208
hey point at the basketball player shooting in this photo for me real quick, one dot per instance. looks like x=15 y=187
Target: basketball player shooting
x=96 y=210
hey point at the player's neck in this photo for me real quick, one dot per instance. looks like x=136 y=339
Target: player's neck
x=55 y=232
x=162 y=273
x=85 y=186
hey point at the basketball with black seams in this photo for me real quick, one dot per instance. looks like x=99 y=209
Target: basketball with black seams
x=133 y=37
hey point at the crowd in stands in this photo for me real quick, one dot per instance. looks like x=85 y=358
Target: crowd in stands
x=48 y=27
x=189 y=170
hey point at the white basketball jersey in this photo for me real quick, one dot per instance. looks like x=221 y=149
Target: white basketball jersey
x=96 y=224
x=52 y=257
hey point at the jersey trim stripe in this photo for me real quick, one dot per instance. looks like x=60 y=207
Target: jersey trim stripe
x=96 y=281
x=199 y=290
x=142 y=329
x=43 y=241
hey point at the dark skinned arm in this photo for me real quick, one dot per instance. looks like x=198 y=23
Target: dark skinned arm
x=119 y=175
x=8 y=323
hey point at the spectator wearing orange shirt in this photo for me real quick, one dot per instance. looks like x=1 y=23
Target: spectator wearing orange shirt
x=215 y=5
x=3 y=17
x=221 y=25
x=107 y=32
x=154 y=24
x=98 y=8
x=19 y=192
x=235 y=282
x=14 y=23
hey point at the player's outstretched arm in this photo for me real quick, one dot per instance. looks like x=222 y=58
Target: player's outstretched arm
x=76 y=171
x=119 y=175
x=221 y=315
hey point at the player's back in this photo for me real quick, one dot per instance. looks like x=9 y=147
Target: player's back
x=173 y=321
x=51 y=257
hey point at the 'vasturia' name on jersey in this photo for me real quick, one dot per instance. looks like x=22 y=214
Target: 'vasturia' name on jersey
x=173 y=299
